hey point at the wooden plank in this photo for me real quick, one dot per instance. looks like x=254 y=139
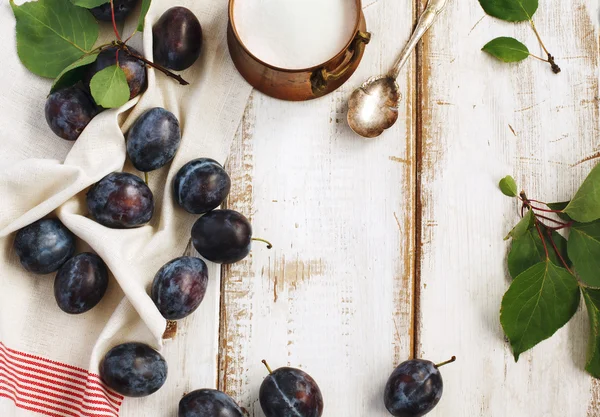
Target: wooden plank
x=334 y=295
x=480 y=120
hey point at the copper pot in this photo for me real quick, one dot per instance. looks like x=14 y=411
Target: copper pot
x=299 y=84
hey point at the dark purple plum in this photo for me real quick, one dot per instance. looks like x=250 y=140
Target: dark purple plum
x=120 y=201
x=179 y=287
x=135 y=70
x=68 y=111
x=81 y=283
x=290 y=392
x=122 y=10
x=177 y=39
x=222 y=236
x=133 y=369
x=208 y=403
x=201 y=185
x=414 y=388
x=153 y=139
x=44 y=246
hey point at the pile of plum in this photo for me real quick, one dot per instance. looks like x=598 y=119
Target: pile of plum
x=177 y=43
x=122 y=201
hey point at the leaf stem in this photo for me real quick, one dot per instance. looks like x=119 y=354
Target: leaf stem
x=537 y=201
x=537 y=57
x=546 y=210
x=552 y=220
x=555 y=67
x=114 y=22
x=538 y=36
x=537 y=226
x=527 y=204
x=549 y=233
x=162 y=69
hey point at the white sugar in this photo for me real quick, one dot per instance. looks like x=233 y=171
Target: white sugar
x=295 y=34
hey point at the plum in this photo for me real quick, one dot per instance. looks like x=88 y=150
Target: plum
x=133 y=369
x=122 y=10
x=290 y=392
x=177 y=39
x=179 y=287
x=153 y=139
x=69 y=110
x=208 y=403
x=201 y=185
x=135 y=70
x=81 y=283
x=44 y=246
x=222 y=236
x=120 y=201
x=414 y=388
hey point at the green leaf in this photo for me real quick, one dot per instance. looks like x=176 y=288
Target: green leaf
x=585 y=206
x=560 y=206
x=109 y=87
x=523 y=226
x=73 y=73
x=506 y=49
x=584 y=250
x=51 y=34
x=89 y=4
x=143 y=12
x=528 y=250
x=508 y=186
x=510 y=10
x=539 y=302
x=592 y=302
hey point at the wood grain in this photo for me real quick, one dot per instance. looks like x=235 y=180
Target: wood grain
x=481 y=120
x=334 y=295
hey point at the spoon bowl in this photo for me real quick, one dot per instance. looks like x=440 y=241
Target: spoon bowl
x=373 y=107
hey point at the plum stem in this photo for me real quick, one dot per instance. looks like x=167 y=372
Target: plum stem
x=267 y=366
x=452 y=359
x=146 y=178
x=162 y=69
x=258 y=239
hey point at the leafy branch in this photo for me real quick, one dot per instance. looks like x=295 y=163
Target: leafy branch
x=55 y=39
x=509 y=49
x=550 y=272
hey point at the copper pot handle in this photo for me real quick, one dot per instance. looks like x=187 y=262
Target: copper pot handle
x=322 y=76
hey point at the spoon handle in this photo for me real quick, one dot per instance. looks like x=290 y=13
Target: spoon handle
x=434 y=7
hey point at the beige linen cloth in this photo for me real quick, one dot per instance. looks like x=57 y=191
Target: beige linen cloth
x=41 y=174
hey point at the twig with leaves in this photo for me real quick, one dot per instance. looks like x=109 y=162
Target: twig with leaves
x=550 y=272
x=56 y=39
x=509 y=49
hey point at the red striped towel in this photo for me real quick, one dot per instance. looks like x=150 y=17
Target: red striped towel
x=52 y=388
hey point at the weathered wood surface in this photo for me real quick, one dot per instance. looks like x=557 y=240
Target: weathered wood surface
x=334 y=295
x=390 y=248
x=468 y=107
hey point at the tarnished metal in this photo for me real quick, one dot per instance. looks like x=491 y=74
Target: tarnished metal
x=373 y=107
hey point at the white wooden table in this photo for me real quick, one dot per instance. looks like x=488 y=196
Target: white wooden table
x=391 y=248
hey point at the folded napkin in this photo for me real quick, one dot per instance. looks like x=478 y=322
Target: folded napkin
x=49 y=359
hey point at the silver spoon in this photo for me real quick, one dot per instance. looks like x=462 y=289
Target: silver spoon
x=373 y=107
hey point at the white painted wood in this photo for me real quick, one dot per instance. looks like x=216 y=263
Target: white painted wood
x=334 y=295
x=468 y=106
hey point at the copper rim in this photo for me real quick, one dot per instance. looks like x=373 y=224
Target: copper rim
x=290 y=70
